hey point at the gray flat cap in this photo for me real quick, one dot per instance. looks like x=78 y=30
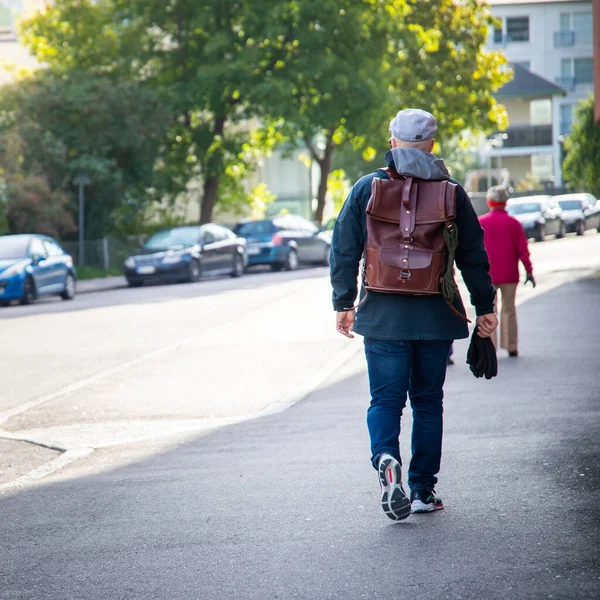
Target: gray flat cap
x=413 y=125
x=497 y=193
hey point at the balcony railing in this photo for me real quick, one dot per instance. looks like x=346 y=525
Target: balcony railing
x=528 y=135
x=562 y=39
x=566 y=81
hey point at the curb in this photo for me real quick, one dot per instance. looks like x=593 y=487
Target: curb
x=101 y=284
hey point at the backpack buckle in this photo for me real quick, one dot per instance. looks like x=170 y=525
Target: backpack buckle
x=405 y=274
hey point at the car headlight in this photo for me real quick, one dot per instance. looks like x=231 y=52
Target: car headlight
x=130 y=262
x=17 y=268
x=171 y=259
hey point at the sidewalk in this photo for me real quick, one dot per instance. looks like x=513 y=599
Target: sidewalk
x=287 y=506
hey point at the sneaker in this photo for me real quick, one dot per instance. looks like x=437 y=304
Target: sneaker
x=423 y=502
x=513 y=353
x=394 y=501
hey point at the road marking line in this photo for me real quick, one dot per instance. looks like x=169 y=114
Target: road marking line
x=48 y=468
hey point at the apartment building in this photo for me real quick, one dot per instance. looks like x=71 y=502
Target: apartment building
x=552 y=40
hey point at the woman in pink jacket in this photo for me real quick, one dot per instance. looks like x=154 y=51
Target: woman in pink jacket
x=506 y=244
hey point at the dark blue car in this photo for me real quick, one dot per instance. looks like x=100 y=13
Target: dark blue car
x=187 y=253
x=34 y=265
x=285 y=242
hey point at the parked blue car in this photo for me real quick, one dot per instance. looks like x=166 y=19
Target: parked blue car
x=34 y=265
x=284 y=242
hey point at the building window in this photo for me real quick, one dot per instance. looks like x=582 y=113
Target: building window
x=582 y=26
x=497 y=35
x=583 y=70
x=540 y=112
x=566 y=118
x=517 y=29
x=542 y=167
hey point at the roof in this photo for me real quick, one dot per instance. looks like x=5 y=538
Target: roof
x=526 y=83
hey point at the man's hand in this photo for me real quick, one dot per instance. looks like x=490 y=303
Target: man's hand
x=530 y=279
x=486 y=325
x=344 y=322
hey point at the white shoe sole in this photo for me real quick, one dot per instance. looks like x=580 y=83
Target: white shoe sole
x=394 y=502
x=420 y=507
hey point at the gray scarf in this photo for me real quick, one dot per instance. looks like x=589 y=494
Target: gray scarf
x=417 y=163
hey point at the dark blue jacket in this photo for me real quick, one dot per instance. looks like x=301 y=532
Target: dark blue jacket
x=403 y=317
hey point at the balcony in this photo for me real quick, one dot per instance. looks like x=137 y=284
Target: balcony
x=566 y=81
x=520 y=136
x=564 y=39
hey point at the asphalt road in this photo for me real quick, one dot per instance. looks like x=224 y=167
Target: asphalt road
x=154 y=499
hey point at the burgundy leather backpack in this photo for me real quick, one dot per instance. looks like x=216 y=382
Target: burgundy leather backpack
x=411 y=237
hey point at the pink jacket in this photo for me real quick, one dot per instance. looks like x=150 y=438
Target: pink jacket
x=505 y=243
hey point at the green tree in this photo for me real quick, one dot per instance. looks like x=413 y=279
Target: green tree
x=86 y=124
x=27 y=202
x=425 y=53
x=582 y=146
x=212 y=62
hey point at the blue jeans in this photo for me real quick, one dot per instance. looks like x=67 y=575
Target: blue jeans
x=418 y=368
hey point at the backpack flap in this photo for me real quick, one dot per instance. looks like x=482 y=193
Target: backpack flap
x=437 y=200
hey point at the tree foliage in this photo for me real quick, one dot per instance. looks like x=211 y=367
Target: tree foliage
x=382 y=56
x=326 y=73
x=581 y=166
x=85 y=124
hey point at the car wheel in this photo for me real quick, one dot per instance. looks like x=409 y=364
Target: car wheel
x=69 y=292
x=238 y=266
x=5 y=303
x=580 y=230
x=28 y=296
x=194 y=271
x=325 y=261
x=291 y=261
x=540 y=234
x=562 y=231
x=132 y=283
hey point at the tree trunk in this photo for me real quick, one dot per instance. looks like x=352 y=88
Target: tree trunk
x=209 y=198
x=325 y=167
x=212 y=177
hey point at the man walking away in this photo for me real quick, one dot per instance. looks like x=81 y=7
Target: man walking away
x=506 y=244
x=407 y=338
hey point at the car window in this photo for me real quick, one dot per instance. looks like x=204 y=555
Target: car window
x=207 y=237
x=36 y=248
x=217 y=232
x=172 y=238
x=570 y=204
x=254 y=228
x=52 y=248
x=525 y=207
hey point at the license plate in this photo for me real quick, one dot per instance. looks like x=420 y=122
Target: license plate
x=146 y=270
x=253 y=251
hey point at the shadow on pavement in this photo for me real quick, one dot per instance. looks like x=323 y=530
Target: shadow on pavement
x=287 y=506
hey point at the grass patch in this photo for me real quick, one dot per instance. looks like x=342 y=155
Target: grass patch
x=86 y=272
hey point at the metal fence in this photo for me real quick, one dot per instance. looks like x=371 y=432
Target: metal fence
x=107 y=253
